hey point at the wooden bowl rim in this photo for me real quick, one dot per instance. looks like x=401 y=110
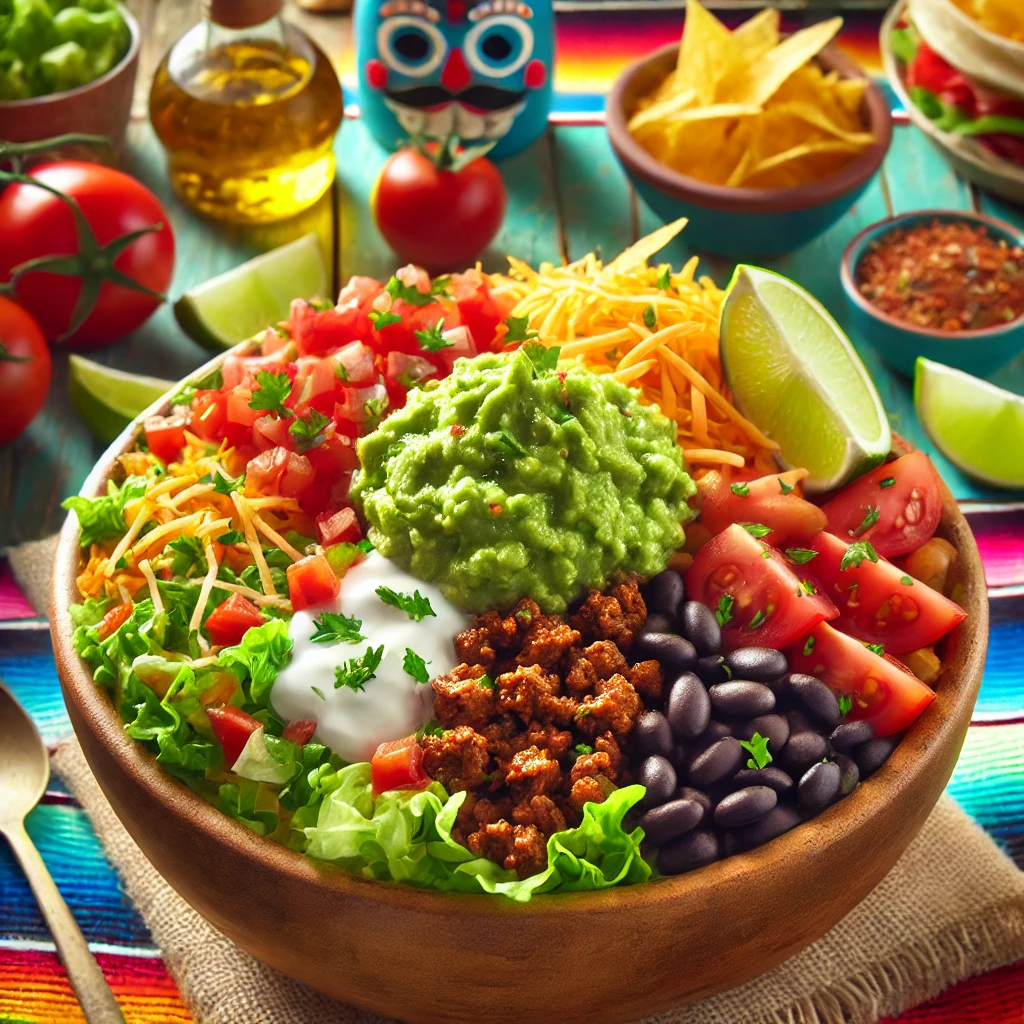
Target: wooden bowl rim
x=834 y=826
x=740 y=199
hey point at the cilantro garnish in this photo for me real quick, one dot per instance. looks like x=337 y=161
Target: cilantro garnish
x=889 y=481
x=270 y=396
x=519 y=329
x=869 y=520
x=507 y=440
x=357 y=672
x=757 y=746
x=877 y=648
x=650 y=318
x=856 y=553
x=807 y=587
x=332 y=628
x=723 y=613
x=231 y=537
x=583 y=748
x=365 y=546
x=740 y=489
x=808 y=646
x=800 y=556
x=383 y=318
x=756 y=529
x=786 y=488
x=485 y=682
x=432 y=340
x=318 y=692
x=415 y=605
x=398 y=289
x=845 y=704
x=308 y=430
x=665 y=276
x=906 y=581
x=756 y=620
x=415 y=666
x=542 y=357
x=225 y=485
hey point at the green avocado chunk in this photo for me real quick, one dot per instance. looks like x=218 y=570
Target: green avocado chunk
x=507 y=480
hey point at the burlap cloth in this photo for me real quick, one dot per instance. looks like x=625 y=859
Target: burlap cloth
x=952 y=907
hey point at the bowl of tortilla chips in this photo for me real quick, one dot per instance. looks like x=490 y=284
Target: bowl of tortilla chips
x=763 y=141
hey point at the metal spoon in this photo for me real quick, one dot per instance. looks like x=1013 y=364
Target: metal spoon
x=24 y=773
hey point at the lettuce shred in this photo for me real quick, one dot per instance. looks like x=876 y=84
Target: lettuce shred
x=103 y=517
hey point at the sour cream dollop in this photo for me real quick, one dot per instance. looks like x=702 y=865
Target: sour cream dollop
x=392 y=704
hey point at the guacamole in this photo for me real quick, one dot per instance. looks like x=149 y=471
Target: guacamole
x=513 y=478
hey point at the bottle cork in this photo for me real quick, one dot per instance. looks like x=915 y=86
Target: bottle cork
x=242 y=13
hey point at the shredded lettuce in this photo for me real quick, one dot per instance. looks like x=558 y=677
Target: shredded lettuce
x=103 y=517
x=263 y=761
x=263 y=652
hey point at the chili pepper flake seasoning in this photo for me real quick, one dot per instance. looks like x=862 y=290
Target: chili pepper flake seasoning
x=944 y=276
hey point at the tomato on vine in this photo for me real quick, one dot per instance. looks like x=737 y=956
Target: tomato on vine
x=25 y=369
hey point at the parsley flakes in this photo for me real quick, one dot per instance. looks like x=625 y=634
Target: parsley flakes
x=889 y=481
x=877 y=648
x=808 y=646
x=415 y=605
x=906 y=581
x=856 y=553
x=273 y=391
x=308 y=430
x=665 y=276
x=398 y=289
x=383 y=318
x=650 y=318
x=783 y=486
x=415 y=666
x=800 y=556
x=433 y=340
x=845 y=704
x=357 y=672
x=756 y=529
x=332 y=628
x=757 y=746
x=723 y=613
x=740 y=489
x=869 y=520
x=519 y=329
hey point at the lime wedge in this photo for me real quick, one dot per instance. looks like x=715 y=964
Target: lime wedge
x=795 y=374
x=247 y=299
x=108 y=400
x=977 y=426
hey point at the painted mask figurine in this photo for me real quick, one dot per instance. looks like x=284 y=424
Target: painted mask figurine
x=479 y=69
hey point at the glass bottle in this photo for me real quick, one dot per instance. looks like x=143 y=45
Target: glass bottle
x=247 y=107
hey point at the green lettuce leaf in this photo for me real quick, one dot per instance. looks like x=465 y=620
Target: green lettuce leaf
x=263 y=652
x=102 y=518
x=91 y=611
x=991 y=124
x=268 y=759
x=904 y=43
x=238 y=801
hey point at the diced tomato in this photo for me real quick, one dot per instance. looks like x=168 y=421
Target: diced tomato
x=238 y=409
x=230 y=620
x=408 y=369
x=315 y=377
x=165 y=436
x=401 y=336
x=300 y=731
x=274 y=341
x=278 y=471
x=762 y=602
x=311 y=582
x=317 y=332
x=763 y=500
x=232 y=728
x=209 y=412
x=360 y=404
x=479 y=310
x=272 y=432
x=353 y=364
x=884 y=692
x=359 y=293
x=879 y=603
x=398 y=765
x=338 y=526
x=929 y=71
x=896 y=506
x=114 y=619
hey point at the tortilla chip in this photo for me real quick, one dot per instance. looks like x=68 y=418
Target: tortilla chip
x=649 y=115
x=819 y=118
x=797 y=153
x=640 y=251
x=757 y=35
x=707 y=52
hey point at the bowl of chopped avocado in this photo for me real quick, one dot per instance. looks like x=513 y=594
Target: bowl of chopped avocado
x=66 y=67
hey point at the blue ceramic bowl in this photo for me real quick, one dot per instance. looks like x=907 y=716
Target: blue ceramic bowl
x=978 y=352
x=743 y=222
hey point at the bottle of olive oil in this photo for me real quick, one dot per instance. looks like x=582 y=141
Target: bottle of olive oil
x=247 y=108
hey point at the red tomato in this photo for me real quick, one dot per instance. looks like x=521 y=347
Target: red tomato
x=165 y=436
x=929 y=71
x=277 y=471
x=311 y=582
x=238 y=409
x=398 y=765
x=209 y=413
x=903 y=498
x=230 y=620
x=272 y=432
x=879 y=603
x=232 y=728
x=763 y=500
x=114 y=619
x=300 y=731
x=439 y=219
x=25 y=369
x=38 y=223
x=319 y=331
x=338 y=526
x=479 y=310
x=884 y=692
x=769 y=607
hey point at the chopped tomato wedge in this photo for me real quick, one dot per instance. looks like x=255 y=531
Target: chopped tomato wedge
x=278 y=471
x=761 y=603
x=398 y=765
x=230 y=620
x=300 y=731
x=338 y=527
x=232 y=728
x=165 y=436
x=764 y=500
x=311 y=582
x=877 y=602
x=209 y=412
x=114 y=619
x=896 y=506
x=884 y=691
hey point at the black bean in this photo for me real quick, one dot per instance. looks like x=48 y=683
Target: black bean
x=697 y=796
x=778 y=820
x=658 y=775
x=745 y=806
x=664 y=593
x=802 y=750
x=712 y=734
x=771 y=776
x=698 y=624
x=873 y=754
x=652 y=734
x=680 y=757
x=656 y=622
x=819 y=786
x=688 y=708
x=798 y=721
x=741 y=699
x=850 y=735
x=774 y=727
x=762 y=664
x=663 y=823
x=720 y=760
x=815 y=698
x=712 y=669
x=673 y=652
x=691 y=851
x=850 y=774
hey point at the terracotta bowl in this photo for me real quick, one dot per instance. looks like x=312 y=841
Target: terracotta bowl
x=610 y=956
x=100 y=107
x=743 y=222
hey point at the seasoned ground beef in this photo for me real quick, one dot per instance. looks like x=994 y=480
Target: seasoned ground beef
x=536 y=722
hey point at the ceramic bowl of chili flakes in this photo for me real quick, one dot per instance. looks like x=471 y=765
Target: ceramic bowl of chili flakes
x=944 y=284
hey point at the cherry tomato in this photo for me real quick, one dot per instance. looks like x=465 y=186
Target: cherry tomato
x=884 y=691
x=232 y=728
x=25 y=369
x=165 y=436
x=761 y=603
x=300 y=731
x=440 y=219
x=231 y=619
x=114 y=619
x=896 y=506
x=38 y=223
x=398 y=765
x=311 y=582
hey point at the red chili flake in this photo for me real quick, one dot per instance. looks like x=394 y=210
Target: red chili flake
x=496 y=509
x=945 y=276
x=458 y=430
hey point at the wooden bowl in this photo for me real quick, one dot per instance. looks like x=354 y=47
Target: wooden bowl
x=100 y=107
x=610 y=956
